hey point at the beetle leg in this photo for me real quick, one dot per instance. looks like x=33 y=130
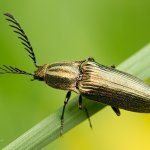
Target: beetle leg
x=113 y=66
x=91 y=59
x=116 y=110
x=81 y=107
x=63 y=111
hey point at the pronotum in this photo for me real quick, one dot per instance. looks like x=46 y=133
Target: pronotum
x=87 y=78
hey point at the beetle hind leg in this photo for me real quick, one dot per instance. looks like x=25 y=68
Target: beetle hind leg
x=116 y=110
x=81 y=107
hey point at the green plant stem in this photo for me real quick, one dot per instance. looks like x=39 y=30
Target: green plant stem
x=48 y=130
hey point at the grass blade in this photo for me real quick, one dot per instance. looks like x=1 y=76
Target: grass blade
x=48 y=130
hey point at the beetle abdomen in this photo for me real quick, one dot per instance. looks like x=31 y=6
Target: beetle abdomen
x=113 y=87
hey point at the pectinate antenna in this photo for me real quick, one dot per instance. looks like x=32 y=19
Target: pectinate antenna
x=25 y=41
x=13 y=70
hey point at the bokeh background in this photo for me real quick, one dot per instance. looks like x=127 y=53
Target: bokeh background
x=110 y=31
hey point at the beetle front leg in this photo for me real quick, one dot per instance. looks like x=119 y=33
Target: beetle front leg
x=63 y=111
x=86 y=111
x=116 y=110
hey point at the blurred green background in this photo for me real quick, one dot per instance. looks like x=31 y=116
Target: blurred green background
x=109 y=31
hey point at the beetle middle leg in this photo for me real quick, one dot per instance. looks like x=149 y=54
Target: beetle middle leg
x=63 y=111
x=81 y=107
x=116 y=110
x=91 y=59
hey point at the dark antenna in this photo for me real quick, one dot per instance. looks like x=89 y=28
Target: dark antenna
x=12 y=70
x=22 y=36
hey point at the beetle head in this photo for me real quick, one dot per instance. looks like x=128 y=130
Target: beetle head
x=39 y=74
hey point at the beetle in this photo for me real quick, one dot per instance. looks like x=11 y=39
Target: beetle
x=87 y=78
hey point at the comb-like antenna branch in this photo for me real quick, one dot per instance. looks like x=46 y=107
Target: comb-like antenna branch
x=25 y=41
x=13 y=70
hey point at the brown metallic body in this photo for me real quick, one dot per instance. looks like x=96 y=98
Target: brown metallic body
x=100 y=83
x=87 y=78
